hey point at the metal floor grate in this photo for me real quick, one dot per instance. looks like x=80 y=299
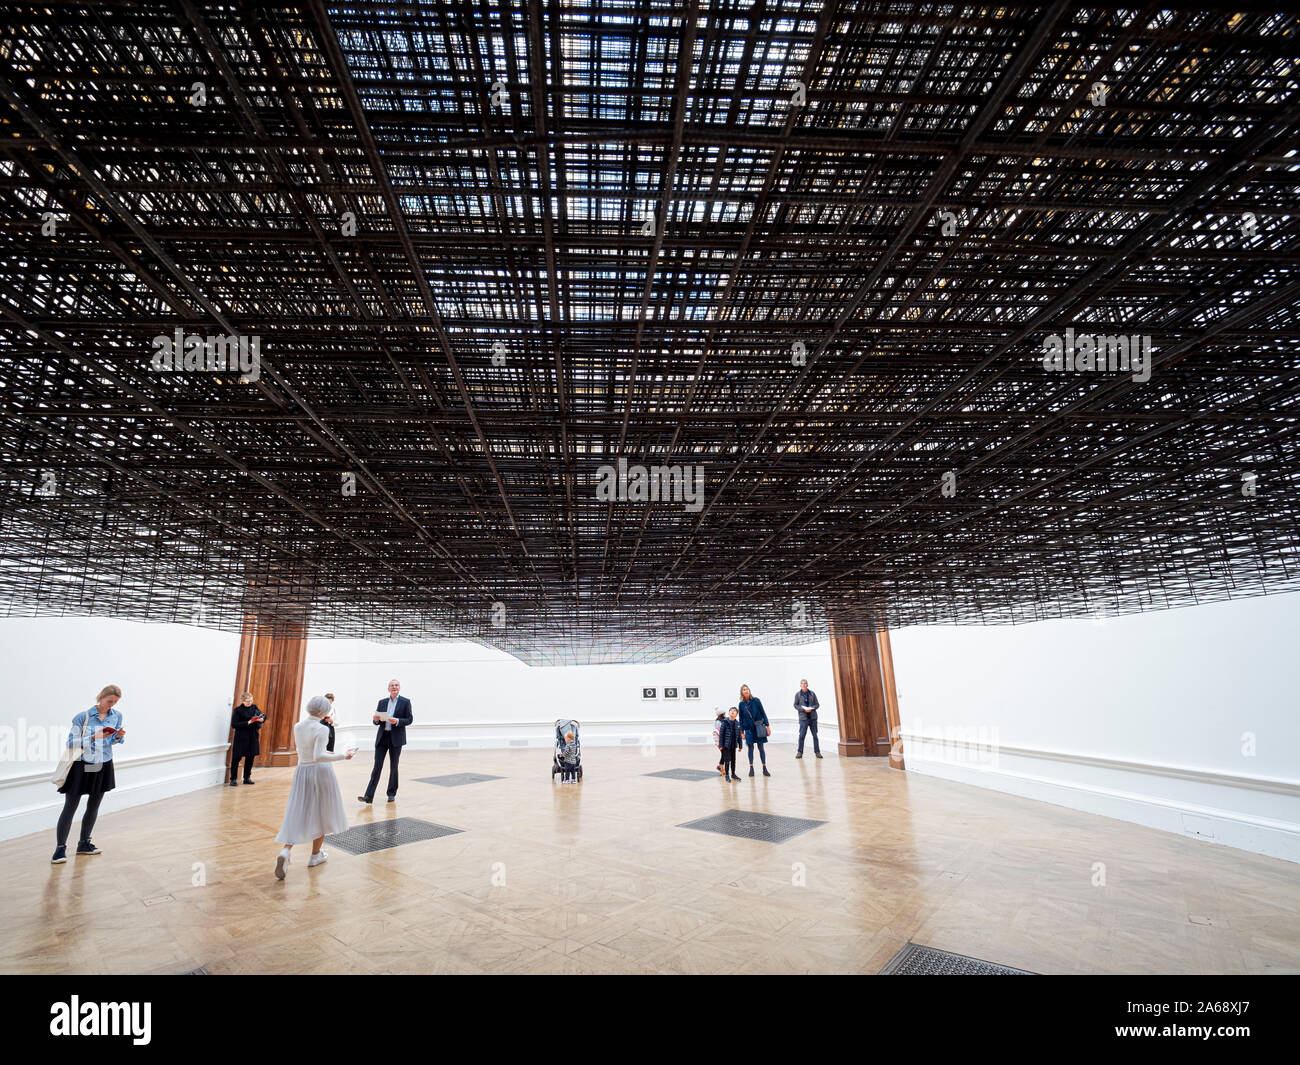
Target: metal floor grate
x=455 y=780
x=771 y=828
x=686 y=774
x=380 y=836
x=916 y=960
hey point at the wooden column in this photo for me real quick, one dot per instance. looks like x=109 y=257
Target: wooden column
x=865 y=695
x=270 y=665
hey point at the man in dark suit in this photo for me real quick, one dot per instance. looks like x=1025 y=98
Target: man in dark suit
x=392 y=715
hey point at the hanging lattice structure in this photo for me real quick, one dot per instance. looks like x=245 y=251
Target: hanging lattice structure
x=827 y=256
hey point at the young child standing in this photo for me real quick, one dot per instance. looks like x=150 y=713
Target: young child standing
x=729 y=736
x=717 y=734
x=569 y=760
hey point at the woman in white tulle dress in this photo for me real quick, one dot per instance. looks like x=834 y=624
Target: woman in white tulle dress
x=315 y=805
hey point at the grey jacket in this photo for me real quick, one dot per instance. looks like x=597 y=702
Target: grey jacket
x=806 y=701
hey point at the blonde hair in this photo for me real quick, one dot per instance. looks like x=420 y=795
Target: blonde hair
x=568 y=735
x=247 y=695
x=109 y=689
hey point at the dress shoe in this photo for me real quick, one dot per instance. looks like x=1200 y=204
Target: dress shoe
x=819 y=754
x=362 y=798
x=247 y=781
x=799 y=755
x=234 y=783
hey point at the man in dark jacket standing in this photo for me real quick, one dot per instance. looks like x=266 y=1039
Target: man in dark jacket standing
x=392 y=715
x=805 y=702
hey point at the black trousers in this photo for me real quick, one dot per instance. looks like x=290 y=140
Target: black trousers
x=807 y=722
x=70 y=801
x=248 y=766
x=729 y=761
x=393 y=754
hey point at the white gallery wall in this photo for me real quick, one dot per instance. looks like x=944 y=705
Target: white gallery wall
x=467 y=696
x=1186 y=720
x=176 y=681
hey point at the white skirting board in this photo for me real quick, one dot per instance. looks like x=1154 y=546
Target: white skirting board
x=1250 y=813
x=480 y=735
x=31 y=803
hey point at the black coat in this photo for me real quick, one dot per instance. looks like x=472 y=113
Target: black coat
x=729 y=734
x=247 y=734
x=401 y=711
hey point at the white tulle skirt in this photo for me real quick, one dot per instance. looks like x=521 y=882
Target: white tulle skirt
x=315 y=805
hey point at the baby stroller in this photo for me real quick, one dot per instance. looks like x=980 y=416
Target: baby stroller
x=561 y=727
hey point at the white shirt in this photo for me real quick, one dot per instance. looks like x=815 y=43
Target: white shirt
x=310 y=737
x=392 y=712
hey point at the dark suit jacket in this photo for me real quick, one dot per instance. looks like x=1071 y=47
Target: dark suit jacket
x=402 y=711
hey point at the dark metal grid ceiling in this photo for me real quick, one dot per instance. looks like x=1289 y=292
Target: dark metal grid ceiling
x=501 y=158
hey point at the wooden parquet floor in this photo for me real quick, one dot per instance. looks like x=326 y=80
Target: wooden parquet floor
x=597 y=878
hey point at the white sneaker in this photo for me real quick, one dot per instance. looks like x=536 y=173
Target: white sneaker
x=317 y=859
x=281 y=863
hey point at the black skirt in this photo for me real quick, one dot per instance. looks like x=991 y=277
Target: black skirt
x=79 y=782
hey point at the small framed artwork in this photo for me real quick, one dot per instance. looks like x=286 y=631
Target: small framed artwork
x=692 y=693
x=670 y=693
x=649 y=693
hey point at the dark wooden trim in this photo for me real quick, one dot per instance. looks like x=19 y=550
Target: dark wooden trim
x=867 y=704
x=270 y=665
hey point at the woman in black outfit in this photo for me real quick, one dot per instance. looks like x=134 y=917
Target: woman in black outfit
x=328 y=721
x=247 y=723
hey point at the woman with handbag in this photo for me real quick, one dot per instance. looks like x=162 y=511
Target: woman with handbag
x=87 y=769
x=754 y=723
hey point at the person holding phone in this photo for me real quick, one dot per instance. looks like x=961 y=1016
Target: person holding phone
x=94 y=734
x=247 y=721
x=315 y=806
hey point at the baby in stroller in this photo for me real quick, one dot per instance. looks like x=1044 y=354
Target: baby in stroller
x=568 y=753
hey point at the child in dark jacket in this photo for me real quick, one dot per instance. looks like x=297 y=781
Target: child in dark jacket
x=729 y=739
x=717 y=734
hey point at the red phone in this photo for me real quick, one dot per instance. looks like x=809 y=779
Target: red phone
x=108 y=730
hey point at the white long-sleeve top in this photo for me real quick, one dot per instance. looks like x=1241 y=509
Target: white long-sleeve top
x=310 y=737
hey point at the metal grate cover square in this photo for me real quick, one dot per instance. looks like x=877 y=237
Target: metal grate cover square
x=686 y=774
x=916 y=960
x=455 y=780
x=771 y=828
x=381 y=835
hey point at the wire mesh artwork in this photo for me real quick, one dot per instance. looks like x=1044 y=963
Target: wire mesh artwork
x=602 y=330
